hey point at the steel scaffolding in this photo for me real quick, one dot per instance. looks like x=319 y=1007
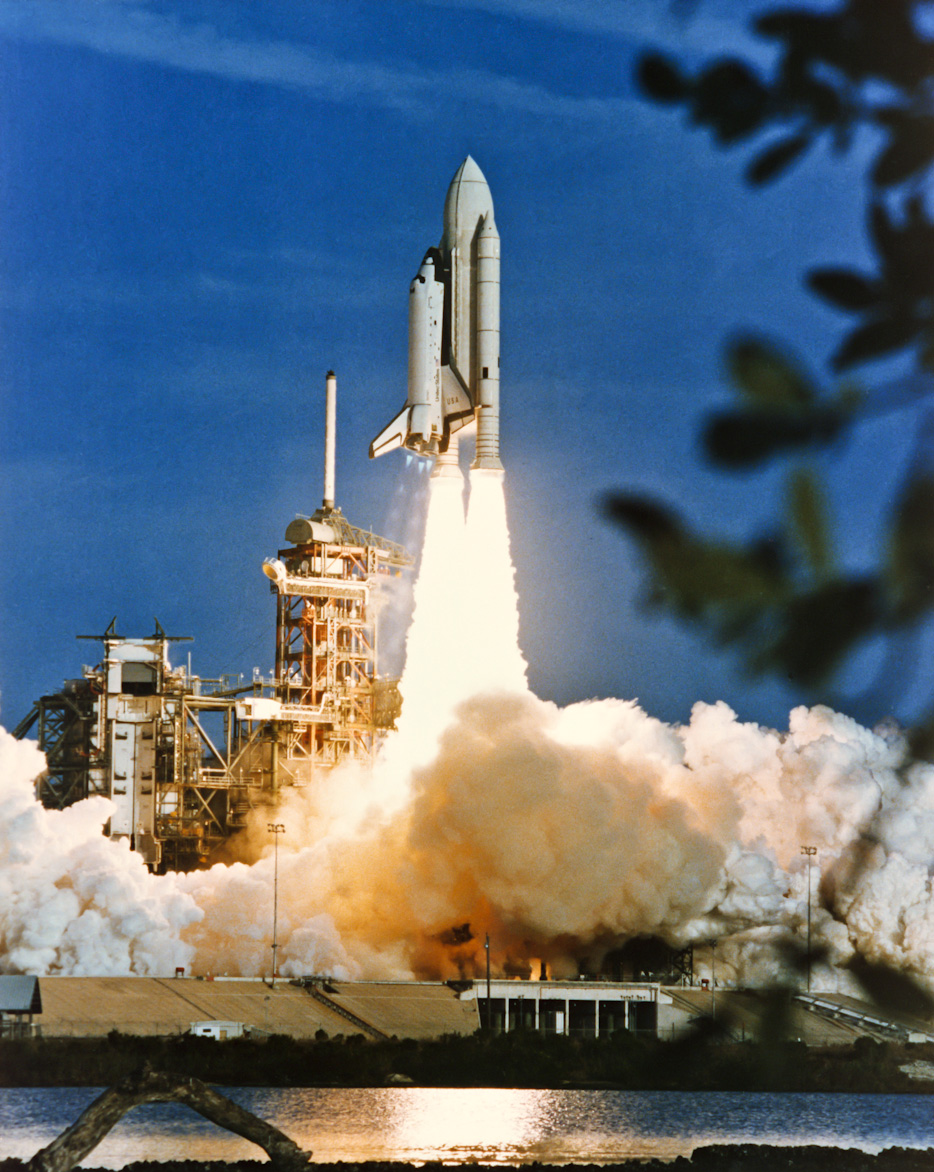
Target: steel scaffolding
x=327 y=583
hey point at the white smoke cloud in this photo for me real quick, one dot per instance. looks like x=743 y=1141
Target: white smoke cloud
x=71 y=901
x=561 y=832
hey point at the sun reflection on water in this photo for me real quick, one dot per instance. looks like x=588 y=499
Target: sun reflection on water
x=431 y=1123
x=484 y=1125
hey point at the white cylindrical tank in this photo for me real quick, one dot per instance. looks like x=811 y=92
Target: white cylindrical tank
x=467 y=204
x=487 y=346
x=488 y=314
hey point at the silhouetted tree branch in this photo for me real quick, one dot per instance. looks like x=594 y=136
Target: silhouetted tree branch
x=785 y=600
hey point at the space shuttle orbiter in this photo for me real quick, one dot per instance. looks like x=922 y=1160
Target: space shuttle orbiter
x=454 y=335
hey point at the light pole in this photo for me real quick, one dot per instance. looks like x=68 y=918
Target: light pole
x=275 y=828
x=809 y=852
x=489 y=1004
x=713 y=980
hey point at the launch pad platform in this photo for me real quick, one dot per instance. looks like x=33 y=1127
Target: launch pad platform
x=318 y=1007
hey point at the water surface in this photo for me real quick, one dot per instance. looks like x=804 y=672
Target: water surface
x=495 y=1126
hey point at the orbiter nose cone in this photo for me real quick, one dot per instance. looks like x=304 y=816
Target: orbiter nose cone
x=467 y=201
x=468 y=172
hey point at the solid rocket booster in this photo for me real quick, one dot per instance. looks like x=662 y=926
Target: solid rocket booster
x=454 y=335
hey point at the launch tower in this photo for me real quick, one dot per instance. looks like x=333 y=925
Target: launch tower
x=333 y=705
x=184 y=759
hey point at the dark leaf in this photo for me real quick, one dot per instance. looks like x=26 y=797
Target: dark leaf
x=892 y=990
x=921 y=739
x=821 y=627
x=845 y=289
x=910 y=150
x=916 y=212
x=730 y=99
x=660 y=78
x=911 y=554
x=804 y=31
x=737 y=439
x=842 y=138
x=694 y=577
x=860 y=38
x=693 y=1045
x=823 y=101
x=795 y=955
x=725 y=576
x=857 y=858
x=645 y=519
x=875 y=339
x=887 y=42
x=765 y=376
x=775 y=1021
x=770 y=552
x=909 y=264
x=807 y=507
x=776 y=159
x=885 y=235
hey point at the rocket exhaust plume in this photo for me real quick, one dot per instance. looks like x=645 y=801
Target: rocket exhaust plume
x=561 y=832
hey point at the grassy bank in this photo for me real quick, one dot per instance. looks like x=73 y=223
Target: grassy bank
x=518 y=1059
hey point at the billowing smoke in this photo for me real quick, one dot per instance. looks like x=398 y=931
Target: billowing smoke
x=561 y=832
x=72 y=901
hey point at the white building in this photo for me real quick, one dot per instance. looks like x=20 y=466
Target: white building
x=219 y=1030
x=579 y=1008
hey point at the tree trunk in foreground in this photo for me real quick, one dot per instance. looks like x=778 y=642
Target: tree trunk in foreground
x=149 y=1086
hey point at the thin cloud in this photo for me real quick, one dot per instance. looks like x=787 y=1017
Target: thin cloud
x=626 y=21
x=704 y=26
x=133 y=30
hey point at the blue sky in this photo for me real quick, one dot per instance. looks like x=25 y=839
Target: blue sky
x=205 y=205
